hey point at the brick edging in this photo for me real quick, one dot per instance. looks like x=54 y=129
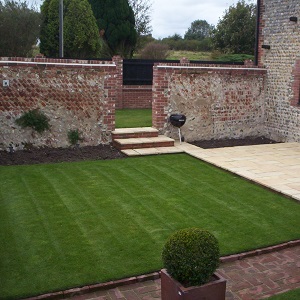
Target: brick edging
x=260 y=251
x=155 y=275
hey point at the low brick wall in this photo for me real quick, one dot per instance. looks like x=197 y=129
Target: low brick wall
x=73 y=94
x=137 y=96
x=219 y=102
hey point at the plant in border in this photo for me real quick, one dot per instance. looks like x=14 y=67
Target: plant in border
x=35 y=119
x=191 y=256
x=74 y=136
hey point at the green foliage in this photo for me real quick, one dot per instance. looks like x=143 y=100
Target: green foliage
x=154 y=50
x=141 y=10
x=115 y=20
x=199 y=30
x=191 y=256
x=235 y=32
x=74 y=136
x=188 y=45
x=34 y=119
x=19 y=28
x=49 y=37
x=81 y=31
x=81 y=38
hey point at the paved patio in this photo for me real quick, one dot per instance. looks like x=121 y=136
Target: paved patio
x=276 y=166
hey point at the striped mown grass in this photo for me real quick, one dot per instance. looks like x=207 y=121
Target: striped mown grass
x=71 y=224
x=128 y=118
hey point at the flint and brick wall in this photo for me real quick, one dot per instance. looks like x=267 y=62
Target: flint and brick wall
x=282 y=61
x=73 y=94
x=219 y=102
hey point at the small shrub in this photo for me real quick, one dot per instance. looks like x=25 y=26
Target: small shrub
x=34 y=119
x=74 y=136
x=191 y=256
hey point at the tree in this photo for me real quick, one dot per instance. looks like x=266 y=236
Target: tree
x=49 y=37
x=235 y=33
x=81 y=35
x=141 y=10
x=19 y=28
x=81 y=32
x=115 y=20
x=199 y=30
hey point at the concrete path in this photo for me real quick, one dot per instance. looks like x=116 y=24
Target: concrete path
x=276 y=166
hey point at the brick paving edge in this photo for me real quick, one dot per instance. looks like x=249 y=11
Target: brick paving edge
x=239 y=256
x=155 y=275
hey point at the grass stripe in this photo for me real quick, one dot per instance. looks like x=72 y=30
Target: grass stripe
x=70 y=224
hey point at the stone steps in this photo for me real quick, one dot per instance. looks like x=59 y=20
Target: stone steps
x=140 y=132
x=142 y=141
x=148 y=142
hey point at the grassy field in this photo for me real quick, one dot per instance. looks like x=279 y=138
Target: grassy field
x=191 y=55
x=127 y=118
x=71 y=224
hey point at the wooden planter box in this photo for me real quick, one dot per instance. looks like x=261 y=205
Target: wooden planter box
x=173 y=290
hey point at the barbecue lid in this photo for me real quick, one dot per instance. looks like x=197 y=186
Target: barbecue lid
x=177 y=120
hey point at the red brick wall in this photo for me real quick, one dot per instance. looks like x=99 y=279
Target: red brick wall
x=296 y=85
x=137 y=96
x=219 y=102
x=73 y=94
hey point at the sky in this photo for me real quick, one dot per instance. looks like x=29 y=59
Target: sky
x=175 y=16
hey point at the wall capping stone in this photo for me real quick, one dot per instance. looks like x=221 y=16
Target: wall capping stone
x=210 y=68
x=9 y=62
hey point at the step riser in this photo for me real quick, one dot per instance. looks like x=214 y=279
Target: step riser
x=134 y=135
x=142 y=145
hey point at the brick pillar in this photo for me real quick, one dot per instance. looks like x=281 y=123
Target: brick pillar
x=296 y=84
x=118 y=60
x=160 y=98
x=110 y=87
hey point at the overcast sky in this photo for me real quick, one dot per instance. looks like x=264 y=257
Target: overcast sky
x=175 y=16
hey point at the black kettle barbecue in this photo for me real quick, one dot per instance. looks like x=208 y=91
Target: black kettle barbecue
x=178 y=121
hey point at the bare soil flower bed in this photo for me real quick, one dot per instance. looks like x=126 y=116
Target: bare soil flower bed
x=53 y=155
x=102 y=152
x=208 y=144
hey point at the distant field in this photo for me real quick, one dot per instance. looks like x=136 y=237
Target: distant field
x=190 y=55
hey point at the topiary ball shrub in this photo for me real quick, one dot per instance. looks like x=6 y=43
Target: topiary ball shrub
x=191 y=256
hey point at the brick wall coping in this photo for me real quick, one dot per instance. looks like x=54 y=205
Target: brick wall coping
x=210 y=68
x=9 y=62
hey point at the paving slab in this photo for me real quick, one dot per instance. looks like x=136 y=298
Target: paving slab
x=276 y=166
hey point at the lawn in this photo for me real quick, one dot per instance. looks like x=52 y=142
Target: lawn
x=70 y=224
x=127 y=118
